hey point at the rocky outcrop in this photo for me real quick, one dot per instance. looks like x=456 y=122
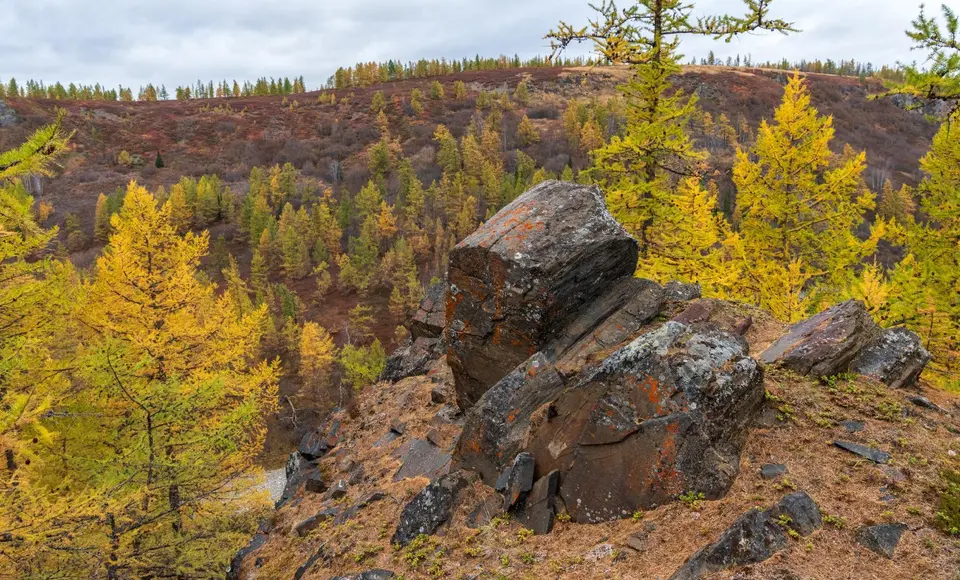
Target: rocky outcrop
x=516 y=282
x=896 y=357
x=8 y=117
x=412 y=360
x=665 y=414
x=845 y=338
x=378 y=574
x=754 y=537
x=429 y=509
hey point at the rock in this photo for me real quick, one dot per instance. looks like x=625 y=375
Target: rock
x=388 y=438
x=485 y=511
x=754 y=537
x=431 y=317
x=665 y=414
x=447 y=415
x=313 y=481
x=882 y=539
x=357 y=475
x=370 y=498
x=772 y=470
x=412 y=360
x=896 y=357
x=236 y=564
x=398 y=427
x=519 y=480
x=874 y=455
x=8 y=117
x=313 y=522
x=519 y=279
x=378 y=574
x=682 y=292
x=540 y=507
x=637 y=541
x=422 y=458
x=318 y=442
x=320 y=554
x=825 y=344
x=853 y=426
x=339 y=490
x=430 y=509
x=296 y=470
x=441 y=394
x=601 y=552
x=926 y=403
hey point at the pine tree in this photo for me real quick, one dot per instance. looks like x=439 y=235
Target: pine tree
x=800 y=208
x=158 y=162
x=896 y=204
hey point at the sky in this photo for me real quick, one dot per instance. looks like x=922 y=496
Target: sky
x=177 y=42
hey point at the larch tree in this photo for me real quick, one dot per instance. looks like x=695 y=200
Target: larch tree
x=527 y=133
x=638 y=170
x=799 y=206
x=37 y=513
x=318 y=355
x=101 y=220
x=181 y=408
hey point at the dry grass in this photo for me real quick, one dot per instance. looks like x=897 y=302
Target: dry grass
x=845 y=487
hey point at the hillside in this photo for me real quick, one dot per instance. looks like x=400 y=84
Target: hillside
x=653 y=454
x=227 y=137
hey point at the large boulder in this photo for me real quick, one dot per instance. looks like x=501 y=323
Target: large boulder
x=516 y=282
x=667 y=413
x=413 y=360
x=754 y=537
x=896 y=357
x=825 y=344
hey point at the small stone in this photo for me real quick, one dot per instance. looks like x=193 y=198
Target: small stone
x=314 y=481
x=875 y=455
x=377 y=574
x=441 y=394
x=357 y=475
x=638 y=541
x=682 y=292
x=371 y=498
x=882 y=539
x=540 y=507
x=388 y=437
x=429 y=509
x=772 y=470
x=339 y=490
x=853 y=426
x=434 y=437
x=398 y=427
x=926 y=403
x=951 y=453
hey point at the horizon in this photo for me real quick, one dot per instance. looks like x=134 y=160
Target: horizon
x=133 y=46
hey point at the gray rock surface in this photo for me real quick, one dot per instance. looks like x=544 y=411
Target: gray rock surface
x=824 y=345
x=431 y=317
x=896 y=357
x=882 y=539
x=429 y=509
x=421 y=459
x=874 y=455
x=516 y=282
x=754 y=537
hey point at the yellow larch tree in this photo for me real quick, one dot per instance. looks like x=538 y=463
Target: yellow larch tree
x=167 y=371
x=799 y=207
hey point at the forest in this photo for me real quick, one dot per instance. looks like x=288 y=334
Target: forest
x=139 y=390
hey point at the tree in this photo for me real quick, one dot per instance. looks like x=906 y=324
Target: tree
x=416 y=102
x=362 y=366
x=459 y=90
x=896 y=204
x=181 y=410
x=296 y=255
x=101 y=220
x=800 y=207
x=158 y=162
x=522 y=93
x=34 y=291
x=448 y=155
x=378 y=103
x=527 y=133
x=636 y=169
x=317 y=355
x=436 y=91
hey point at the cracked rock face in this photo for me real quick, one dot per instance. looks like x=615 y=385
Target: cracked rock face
x=666 y=413
x=516 y=282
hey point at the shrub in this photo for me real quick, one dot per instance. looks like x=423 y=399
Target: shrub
x=948 y=512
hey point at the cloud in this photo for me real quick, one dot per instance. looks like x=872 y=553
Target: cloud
x=175 y=42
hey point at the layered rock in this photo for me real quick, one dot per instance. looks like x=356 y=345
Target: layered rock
x=845 y=338
x=516 y=282
x=429 y=509
x=665 y=414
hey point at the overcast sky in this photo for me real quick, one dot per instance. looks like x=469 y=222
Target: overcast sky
x=176 y=42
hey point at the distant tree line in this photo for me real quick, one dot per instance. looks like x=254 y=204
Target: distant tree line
x=365 y=74
x=262 y=87
x=846 y=68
